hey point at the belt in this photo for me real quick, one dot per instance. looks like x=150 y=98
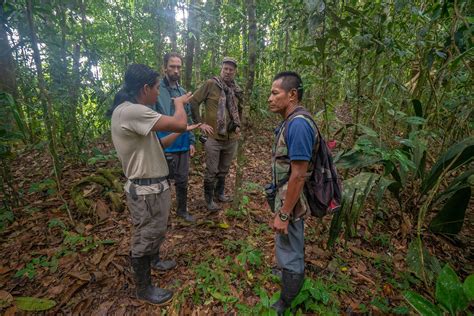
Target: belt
x=147 y=181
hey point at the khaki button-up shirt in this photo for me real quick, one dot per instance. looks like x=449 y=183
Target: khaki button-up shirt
x=209 y=93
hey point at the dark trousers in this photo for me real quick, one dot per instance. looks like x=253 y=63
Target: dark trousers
x=219 y=156
x=179 y=168
x=178 y=163
x=289 y=249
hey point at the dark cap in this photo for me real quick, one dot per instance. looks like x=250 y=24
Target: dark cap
x=229 y=60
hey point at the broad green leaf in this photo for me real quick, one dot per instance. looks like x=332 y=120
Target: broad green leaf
x=368 y=131
x=356 y=159
x=421 y=304
x=469 y=287
x=464 y=180
x=383 y=185
x=421 y=262
x=463 y=152
x=34 y=304
x=449 y=291
x=336 y=224
x=451 y=217
x=415 y=120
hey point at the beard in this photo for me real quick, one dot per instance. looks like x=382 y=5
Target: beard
x=174 y=78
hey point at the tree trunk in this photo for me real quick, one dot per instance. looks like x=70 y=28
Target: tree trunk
x=190 y=43
x=8 y=82
x=252 y=53
x=172 y=25
x=45 y=101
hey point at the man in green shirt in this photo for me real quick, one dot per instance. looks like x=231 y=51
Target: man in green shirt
x=222 y=99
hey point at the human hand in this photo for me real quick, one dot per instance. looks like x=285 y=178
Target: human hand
x=192 y=126
x=192 y=150
x=279 y=226
x=206 y=129
x=182 y=100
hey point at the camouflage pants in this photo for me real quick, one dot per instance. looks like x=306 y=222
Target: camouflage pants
x=219 y=156
x=150 y=221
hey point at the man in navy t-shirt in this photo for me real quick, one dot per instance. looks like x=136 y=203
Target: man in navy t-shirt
x=291 y=156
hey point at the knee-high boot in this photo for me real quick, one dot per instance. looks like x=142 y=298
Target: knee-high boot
x=291 y=284
x=144 y=289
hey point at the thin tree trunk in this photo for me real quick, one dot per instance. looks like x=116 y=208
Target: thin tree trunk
x=173 y=32
x=45 y=101
x=252 y=53
x=190 y=44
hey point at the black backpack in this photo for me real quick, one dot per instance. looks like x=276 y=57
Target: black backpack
x=323 y=188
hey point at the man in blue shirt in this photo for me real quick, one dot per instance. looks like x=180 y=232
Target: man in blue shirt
x=179 y=152
x=291 y=157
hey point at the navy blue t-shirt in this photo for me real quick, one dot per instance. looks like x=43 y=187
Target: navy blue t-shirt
x=300 y=139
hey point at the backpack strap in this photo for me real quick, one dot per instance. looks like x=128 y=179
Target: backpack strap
x=299 y=111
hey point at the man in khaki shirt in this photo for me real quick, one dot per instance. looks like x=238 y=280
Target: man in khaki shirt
x=222 y=99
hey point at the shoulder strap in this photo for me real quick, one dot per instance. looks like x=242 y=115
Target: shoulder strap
x=299 y=111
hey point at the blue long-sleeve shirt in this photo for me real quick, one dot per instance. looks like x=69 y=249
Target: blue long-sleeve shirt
x=165 y=106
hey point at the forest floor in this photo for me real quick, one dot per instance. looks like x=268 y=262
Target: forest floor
x=224 y=260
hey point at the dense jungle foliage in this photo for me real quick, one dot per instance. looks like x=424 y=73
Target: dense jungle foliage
x=390 y=81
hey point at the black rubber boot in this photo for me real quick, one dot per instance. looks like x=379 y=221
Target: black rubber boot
x=291 y=284
x=219 y=193
x=182 y=208
x=208 y=196
x=144 y=289
x=161 y=265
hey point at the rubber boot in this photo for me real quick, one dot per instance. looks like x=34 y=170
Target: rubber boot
x=208 y=196
x=291 y=284
x=144 y=289
x=161 y=265
x=182 y=209
x=219 y=193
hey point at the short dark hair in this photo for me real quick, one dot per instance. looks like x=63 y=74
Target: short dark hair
x=290 y=80
x=170 y=55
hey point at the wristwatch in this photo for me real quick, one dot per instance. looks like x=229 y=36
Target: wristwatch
x=283 y=216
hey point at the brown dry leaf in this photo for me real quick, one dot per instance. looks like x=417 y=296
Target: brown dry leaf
x=406 y=226
x=4 y=270
x=72 y=289
x=388 y=290
x=11 y=311
x=103 y=265
x=6 y=299
x=55 y=290
x=84 y=276
x=103 y=308
x=102 y=210
x=98 y=255
x=82 y=306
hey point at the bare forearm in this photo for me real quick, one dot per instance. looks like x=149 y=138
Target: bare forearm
x=295 y=185
x=169 y=139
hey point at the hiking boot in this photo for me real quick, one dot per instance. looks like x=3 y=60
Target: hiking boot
x=208 y=196
x=291 y=284
x=162 y=265
x=182 y=209
x=144 y=290
x=219 y=193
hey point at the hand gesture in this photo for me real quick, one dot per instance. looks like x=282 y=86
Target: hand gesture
x=182 y=100
x=192 y=127
x=206 y=129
